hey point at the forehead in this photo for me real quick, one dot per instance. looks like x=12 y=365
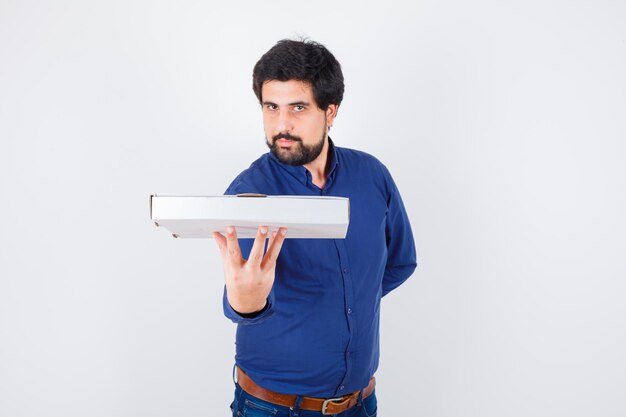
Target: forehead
x=286 y=91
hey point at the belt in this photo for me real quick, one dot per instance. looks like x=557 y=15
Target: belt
x=325 y=406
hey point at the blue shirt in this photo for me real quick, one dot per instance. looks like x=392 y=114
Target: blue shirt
x=319 y=333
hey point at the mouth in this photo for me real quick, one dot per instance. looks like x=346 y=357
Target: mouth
x=285 y=142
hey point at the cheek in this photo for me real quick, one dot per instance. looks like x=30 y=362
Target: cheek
x=268 y=125
x=313 y=125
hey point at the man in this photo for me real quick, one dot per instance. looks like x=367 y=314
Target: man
x=308 y=309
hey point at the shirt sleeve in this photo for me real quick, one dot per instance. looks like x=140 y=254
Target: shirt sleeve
x=237 y=187
x=401 y=256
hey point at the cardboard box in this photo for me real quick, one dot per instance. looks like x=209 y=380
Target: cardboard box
x=199 y=216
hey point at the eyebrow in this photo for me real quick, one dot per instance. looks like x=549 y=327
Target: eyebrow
x=295 y=103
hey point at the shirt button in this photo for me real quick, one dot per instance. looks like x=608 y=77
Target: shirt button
x=345 y=270
x=349 y=311
x=341 y=387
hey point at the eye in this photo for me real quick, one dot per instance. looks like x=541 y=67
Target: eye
x=298 y=108
x=271 y=106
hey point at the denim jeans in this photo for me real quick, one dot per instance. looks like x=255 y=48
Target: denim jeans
x=245 y=405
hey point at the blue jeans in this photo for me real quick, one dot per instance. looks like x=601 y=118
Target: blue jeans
x=245 y=405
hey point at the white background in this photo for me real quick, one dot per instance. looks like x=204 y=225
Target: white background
x=503 y=124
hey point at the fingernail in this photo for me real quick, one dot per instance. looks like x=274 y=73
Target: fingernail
x=229 y=230
x=263 y=230
x=283 y=232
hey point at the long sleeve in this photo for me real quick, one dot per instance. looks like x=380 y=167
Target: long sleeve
x=401 y=256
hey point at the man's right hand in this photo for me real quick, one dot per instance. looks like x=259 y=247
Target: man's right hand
x=248 y=282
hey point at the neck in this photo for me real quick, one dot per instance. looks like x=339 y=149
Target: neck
x=319 y=166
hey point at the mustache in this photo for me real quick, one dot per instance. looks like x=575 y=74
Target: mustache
x=286 y=136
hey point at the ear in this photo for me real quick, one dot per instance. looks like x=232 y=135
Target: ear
x=331 y=113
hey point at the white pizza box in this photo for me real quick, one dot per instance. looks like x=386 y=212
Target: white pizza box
x=196 y=216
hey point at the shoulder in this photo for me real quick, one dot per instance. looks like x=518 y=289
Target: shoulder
x=354 y=158
x=368 y=168
x=253 y=178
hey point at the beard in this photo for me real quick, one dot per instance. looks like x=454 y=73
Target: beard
x=298 y=153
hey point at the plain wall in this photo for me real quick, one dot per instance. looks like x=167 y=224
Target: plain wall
x=503 y=124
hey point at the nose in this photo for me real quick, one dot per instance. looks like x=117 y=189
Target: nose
x=285 y=121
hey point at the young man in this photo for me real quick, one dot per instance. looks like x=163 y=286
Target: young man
x=308 y=319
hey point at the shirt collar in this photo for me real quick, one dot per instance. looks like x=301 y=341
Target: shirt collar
x=302 y=174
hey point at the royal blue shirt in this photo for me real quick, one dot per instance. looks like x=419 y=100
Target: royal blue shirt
x=319 y=333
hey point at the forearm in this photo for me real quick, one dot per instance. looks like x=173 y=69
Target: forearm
x=246 y=302
x=247 y=318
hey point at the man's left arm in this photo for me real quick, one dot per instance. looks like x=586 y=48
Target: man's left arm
x=401 y=257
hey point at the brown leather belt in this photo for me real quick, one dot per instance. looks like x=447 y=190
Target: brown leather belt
x=325 y=406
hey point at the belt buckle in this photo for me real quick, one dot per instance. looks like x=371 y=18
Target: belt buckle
x=326 y=402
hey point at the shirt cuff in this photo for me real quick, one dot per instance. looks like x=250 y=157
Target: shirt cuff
x=254 y=314
x=242 y=319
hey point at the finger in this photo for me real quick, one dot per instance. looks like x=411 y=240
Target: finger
x=256 y=253
x=274 y=248
x=221 y=242
x=271 y=239
x=232 y=245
